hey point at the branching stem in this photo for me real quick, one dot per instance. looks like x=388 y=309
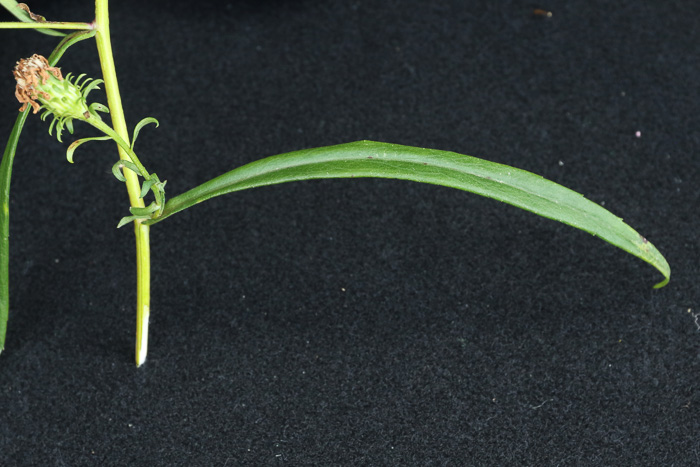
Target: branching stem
x=123 y=145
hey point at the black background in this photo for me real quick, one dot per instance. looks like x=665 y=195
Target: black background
x=363 y=322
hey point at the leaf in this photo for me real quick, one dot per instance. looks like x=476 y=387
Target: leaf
x=5 y=179
x=74 y=145
x=116 y=168
x=371 y=159
x=140 y=125
x=68 y=41
x=144 y=212
x=126 y=220
x=20 y=14
x=145 y=188
x=138 y=214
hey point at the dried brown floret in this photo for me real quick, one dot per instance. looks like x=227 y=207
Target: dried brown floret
x=31 y=73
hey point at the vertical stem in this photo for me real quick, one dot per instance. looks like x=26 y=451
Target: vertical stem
x=143 y=259
x=143 y=290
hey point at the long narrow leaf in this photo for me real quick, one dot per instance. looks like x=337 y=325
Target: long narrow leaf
x=371 y=159
x=20 y=14
x=68 y=41
x=5 y=179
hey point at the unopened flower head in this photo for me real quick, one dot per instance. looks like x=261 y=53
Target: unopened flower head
x=43 y=87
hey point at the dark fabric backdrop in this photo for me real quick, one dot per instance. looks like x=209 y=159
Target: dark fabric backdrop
x=363 y=322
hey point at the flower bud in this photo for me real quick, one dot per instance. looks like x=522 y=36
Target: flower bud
x=41 y=85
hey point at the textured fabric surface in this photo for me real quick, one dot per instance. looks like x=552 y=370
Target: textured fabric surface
x=363 y=322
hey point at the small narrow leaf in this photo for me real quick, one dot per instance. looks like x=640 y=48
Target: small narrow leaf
x=146 y=187
x=144 y=212
x=74 y=145
x=117 y=172
x=138 y=214
x=126 y=220
x=140 y=125
x=127 y=164
x=371 y=159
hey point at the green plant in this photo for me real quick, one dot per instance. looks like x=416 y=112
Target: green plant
x=41 y=86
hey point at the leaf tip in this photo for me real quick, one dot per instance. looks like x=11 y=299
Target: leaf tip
x=663 y=282
x=124 y=221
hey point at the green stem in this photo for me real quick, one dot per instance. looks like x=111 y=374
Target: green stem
x=106 y=129
x=47 y=25
x=143 y=259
